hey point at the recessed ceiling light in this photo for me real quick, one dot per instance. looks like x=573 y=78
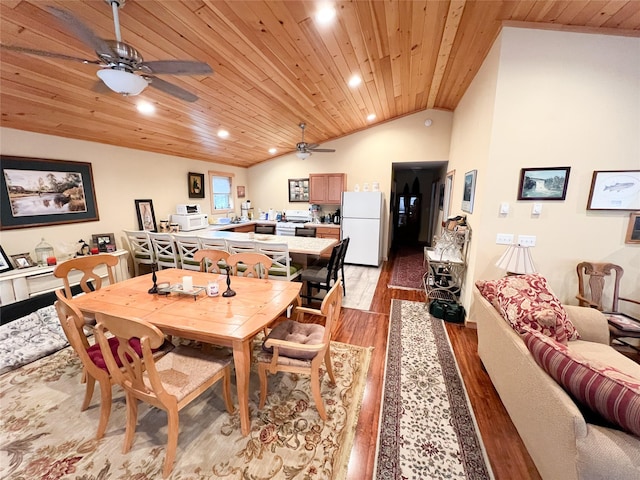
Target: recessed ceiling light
x=272 y=151
x=145 y=107
x=371 y=117
x=354 y=81
x=325 y=15
x=223 y=133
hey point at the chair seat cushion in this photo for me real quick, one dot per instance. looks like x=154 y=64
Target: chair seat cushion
x=314 y=274
x=95 y=354
x=291 y=331
x=294 y=268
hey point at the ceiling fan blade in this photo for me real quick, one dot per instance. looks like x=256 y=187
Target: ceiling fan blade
x=321 y=150
x=177 y=67
x=172 y=89
x=43 y=53
x=313 y=145
x=81 y=31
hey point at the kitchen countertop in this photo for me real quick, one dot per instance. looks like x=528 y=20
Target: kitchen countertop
x=216 y=227
x=322 y=225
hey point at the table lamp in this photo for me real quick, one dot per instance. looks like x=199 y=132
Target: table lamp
x=517 y=260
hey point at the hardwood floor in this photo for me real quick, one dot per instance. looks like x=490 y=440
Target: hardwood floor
x=507 y=454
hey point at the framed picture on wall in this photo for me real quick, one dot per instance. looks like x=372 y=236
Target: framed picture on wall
x=615 y=190
x=196 y=185
x=543 y=183
x=146 y=215
x=299 y=190
x=5 y=264
x=38 y=192
x=633 y=230
x=469 y=191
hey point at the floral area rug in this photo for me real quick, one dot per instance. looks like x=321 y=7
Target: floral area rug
x=408 y=269
x=44 y=435
x=427 y=427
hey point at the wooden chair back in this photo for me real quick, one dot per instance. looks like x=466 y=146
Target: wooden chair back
x=140 y=248
x=210 y=260
x=240 y=246
x=591 y=284
x=212 y=243
x=165 y=250
x=187 y=247
x=255 y=264
x=93 y=269
x=281 y=268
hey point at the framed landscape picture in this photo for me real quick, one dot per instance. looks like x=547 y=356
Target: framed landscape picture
x=543 y=183
x=39 y=192
x=614 y=190
x=469 y=191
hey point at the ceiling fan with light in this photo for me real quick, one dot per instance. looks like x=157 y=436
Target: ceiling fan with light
x=304 y=150
x=123 y=69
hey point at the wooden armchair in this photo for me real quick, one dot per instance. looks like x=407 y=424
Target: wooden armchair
x=210 y=259
x=298 y=347
x=92 y=267
x=591 y=285
x=250 y=264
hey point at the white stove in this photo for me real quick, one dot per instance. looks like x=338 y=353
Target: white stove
x=295 y=218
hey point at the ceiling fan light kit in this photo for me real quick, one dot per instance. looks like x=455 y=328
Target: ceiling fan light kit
x=123 y=82
x=303 y=155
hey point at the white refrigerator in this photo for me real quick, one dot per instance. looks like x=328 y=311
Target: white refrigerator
x=362 y=223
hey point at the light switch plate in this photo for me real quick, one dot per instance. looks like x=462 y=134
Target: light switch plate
x=504 y=238
x=504 y=208
x=527 y=240
x=536 y=209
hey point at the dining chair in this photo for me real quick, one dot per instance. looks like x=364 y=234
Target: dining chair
x=240 y=246
x=343 y=254
x=210 y=260
x=187 y=246
x=265 y=229
x=297 y=346
x=140 y=248
x=169 y=383
x=165 y=250
x=305 y=232
x=282 y=268
x=212 y=243
x=94 y=269
x=250 y=264
x=594 y=286
x=322 y=277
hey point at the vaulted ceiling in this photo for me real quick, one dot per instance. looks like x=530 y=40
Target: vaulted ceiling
x=274 y=67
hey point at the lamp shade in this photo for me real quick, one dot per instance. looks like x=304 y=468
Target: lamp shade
x=303 y=155
x=517 y=260
x=122 y=82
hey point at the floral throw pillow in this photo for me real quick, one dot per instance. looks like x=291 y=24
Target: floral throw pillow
x=603 y=389
x=527 y=300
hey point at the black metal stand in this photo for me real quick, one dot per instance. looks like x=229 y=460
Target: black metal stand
x=154 y=289
x=228 y=292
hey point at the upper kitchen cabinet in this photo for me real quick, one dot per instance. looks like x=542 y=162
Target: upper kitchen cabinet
x=326 y=188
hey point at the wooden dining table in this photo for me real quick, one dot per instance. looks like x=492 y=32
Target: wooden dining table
x=227 y=321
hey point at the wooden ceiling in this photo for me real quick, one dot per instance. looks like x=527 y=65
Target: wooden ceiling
x=274 y=67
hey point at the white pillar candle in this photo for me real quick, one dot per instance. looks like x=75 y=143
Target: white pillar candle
x=187 y=283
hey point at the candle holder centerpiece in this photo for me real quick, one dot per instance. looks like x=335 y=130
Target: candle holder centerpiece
x=228 y=292
x=154 y=288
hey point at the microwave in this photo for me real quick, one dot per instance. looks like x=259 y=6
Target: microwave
x=190 y=222
x=188 y=209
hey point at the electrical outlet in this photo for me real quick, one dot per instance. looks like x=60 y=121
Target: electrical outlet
x=527 y=240
x=504 y=238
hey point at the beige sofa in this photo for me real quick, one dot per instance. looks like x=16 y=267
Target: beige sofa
x=561 y=443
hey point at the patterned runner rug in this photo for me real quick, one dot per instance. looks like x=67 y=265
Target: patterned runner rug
x=408 y=269
x=44 y=434
x=427 y=426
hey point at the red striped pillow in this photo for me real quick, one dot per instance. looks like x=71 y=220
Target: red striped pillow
x=605 y=390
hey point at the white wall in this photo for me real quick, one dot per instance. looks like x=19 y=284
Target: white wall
x=366 y=156
x=120 y=176
x=561 y=99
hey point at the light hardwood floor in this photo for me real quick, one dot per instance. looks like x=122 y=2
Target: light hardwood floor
x=509 y=459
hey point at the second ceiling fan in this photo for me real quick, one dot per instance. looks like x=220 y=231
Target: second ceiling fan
x=304 y=149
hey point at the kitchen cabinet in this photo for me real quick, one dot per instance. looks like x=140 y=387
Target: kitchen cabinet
x=328 y=232
x=326 y=188
x=245 y=228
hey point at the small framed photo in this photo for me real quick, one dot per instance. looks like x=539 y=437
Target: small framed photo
x=5 y=264
x=543 y=183
x=196 y=185
x=146 y=215
x=299 y=190
x=241 y=191
x=103 y=241
x=633 y=230
x=22 y=260
x=615 y=190
x=469 y=191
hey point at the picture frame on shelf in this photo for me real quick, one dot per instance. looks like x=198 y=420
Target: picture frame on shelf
x=5 y=263
x=299 y=190
x=23 y=260
x=633 y=230
x=146 y=215
x=40 y=192
x=469 y=191
x=196 y=185
x=104 y=242
x=614 y=190
x=544 y=183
